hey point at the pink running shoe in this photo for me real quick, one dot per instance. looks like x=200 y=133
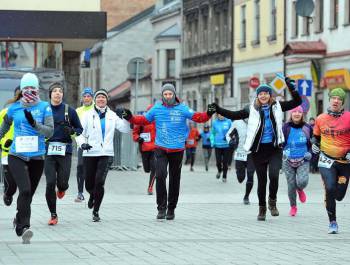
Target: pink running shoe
x=302 y=196
x=293 y=211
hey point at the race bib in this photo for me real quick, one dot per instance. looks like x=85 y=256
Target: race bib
x=56 y=149
x=241 y=156
x=190 y=141
x=27 y=144
x=146 y=137
x=5 y=160
x=325 y=161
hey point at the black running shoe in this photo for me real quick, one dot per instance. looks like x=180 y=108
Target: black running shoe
x=7 y=200
x=95 y=217
x=170 y=215
x=161 y=214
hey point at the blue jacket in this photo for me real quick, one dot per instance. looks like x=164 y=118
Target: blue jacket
x=219 y=129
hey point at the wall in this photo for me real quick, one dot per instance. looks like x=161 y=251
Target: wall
x=61 y=5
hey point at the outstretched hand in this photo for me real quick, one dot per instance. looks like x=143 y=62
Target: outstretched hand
x=212 y=108
x=124 y=113
x=290 y=83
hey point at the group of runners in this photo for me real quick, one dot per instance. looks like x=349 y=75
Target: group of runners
x=36 y=137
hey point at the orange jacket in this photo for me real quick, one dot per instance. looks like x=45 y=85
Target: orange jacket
x=148 y=132
x=192 y=139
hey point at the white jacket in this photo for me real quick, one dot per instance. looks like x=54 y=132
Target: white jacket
x=92 y=133
x=241 y=127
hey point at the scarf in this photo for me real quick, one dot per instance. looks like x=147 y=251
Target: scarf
x=30 y=96
x=334 y=113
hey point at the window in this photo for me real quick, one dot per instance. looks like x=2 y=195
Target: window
x=273 y=22
x=244 y=93
x=205 y=32
x=195 y=41
x=216 y=30
x=347 y=13
x=158 y=64
x=319 y=16
x=334 y=9
x=306 y=26
x=295 y=22
x=243 y=27
x=257 y=23
x=189 y=38
x=225 y=33
x=170 y=59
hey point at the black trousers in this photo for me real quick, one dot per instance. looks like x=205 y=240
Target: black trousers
x=95 y=171
x=80 y=171
x=245 y=169
x=27 y=175
x=268 y=159
x=174 y=160
x=222 y=156
x=148 y=162
x=336 y=180
x=10 y=186
x=57 y=171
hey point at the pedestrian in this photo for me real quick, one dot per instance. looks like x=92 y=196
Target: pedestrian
x=220 y=127
x=244 y=164
x=265 y=139
x=87 y=99
x=332 y=138
x=191 y=144
x=206 y=145
x=33 y=122
x=145 y=135
x=296 y=157
x=58 y=158
x=96 y=141
x=314 y=158
x=171 y=133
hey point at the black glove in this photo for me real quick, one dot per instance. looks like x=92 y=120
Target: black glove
x=290 y=83
x=119 y=112
x=212 y=108
x=124 y=114
x=140 y=140
x=86 y=147
x=68 y=130
x=8 y=143
x=29 y=117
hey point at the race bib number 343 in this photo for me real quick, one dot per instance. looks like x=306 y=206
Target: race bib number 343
x=56 y=148
x=325 y=161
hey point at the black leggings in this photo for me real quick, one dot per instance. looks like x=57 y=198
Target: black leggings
x=268 y=158
x=222 y=156
x=243 y=169
x=80 y=172
x=27 y=175
x=96 y=170
x=336 y=180
x=148 y=165
x=57 y=171
x=10 y=186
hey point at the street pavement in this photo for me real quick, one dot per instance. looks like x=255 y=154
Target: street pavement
x=212 y=226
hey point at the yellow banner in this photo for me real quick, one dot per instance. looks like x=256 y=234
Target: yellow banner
x=217 y=79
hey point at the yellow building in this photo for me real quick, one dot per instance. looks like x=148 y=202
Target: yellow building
x=258 y=44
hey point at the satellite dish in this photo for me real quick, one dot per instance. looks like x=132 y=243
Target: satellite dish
x=304 y=8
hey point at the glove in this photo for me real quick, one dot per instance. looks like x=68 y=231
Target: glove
x=29 y=117
x=307 y=156
x=86 y=147
x=290 y=83
x=8 y=143
x=315 y=148
x=347 y=157
x=119 y=112
x=140 y=140
x=212 y=108
x=124 y=114
x=68 y=130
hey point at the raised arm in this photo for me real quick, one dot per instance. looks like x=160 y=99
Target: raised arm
x=296 y=99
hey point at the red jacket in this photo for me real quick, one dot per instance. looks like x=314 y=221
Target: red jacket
x=149 y=133
x=192 y=139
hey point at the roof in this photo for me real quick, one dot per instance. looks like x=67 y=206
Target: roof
x=172 y=31
x=305 y=47
x=120 y=90
x=167 y=9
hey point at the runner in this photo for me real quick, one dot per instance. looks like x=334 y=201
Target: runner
x=332 y=137
x=265 y=139
x=296 y=156
x=99 y=125
x=219 y=128
x=33 y=122
x=206 y=145
x=171 y=133
x=59 y=149
x=145 y=136
x=191 y=144
x=87 y=98
x=243 y=159
x=314 y=159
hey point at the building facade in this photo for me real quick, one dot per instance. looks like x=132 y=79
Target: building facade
x=206 y=53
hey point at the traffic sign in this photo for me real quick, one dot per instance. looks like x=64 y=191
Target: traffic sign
x=278 y=84
x=305 y=87
x=305 y=104
x=137 y=68
x=254 y=82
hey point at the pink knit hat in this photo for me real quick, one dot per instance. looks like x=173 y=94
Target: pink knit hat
x=297 y=109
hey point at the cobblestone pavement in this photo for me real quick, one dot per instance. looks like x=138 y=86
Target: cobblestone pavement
x=212 y=226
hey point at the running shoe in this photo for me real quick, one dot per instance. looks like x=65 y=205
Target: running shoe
x=170 y=215
x=333 y=228
x=246 y=201
x=218 y=175
x=293 y=211
x=191 y=169
x=206 y=168
x=302 y=196
x=95 y=217
x=27 y=235
x=161 y=214
x=7 y=200
x=53 y=220
x=224 y=180
x=60 y=194
x=79 y=198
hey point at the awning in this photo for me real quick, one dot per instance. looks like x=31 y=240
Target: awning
x=119 y=91
x=305 y=49
x=336 y=78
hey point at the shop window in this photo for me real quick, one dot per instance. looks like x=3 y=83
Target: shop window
x=334 y=14
x=244 y=86
x=170 y=57
x=318 y=16
x=49 y=55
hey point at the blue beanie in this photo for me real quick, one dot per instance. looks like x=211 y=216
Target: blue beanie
x=88 y=90
x=29 y=79
x=264 y=88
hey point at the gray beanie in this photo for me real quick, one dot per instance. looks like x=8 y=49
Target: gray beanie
x=169 y=87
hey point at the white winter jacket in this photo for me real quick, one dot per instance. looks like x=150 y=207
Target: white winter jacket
x=92 y=133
